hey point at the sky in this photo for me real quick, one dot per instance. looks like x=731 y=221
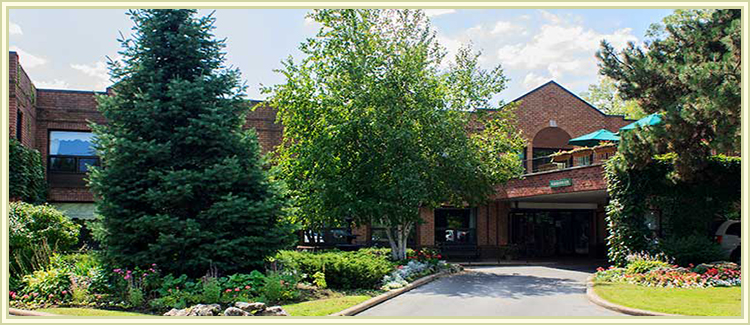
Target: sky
x=68 y=48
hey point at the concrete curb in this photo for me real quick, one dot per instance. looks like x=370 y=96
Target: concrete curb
x=367 y=304
x=593 y=297
x=22 y=312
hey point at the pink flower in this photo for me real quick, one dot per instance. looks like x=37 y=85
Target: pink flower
x=34 y=294
x=98 y=296
x=127 y=276
x=236 y=289
x=229 y=290
x=129 y=271
x=154 y=264
x=25 y=297
x=117 y=270
x=51 y=296
x=170 y=290
x=65 y=292
x=247 y=287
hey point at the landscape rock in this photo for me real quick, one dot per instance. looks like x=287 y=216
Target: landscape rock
x=720 y=265
x=204 y=310
x=273 y=311
x=234 y=311
x=177 y=312
x=250 y=307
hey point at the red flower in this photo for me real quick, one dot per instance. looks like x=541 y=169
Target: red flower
x=229 y=290
x=236 y=289
x=65 y=292
x=247 y=287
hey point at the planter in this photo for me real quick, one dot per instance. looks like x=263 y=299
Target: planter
x=561 y=157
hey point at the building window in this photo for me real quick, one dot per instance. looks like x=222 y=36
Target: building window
x=583 y=161
x=71 y=152
x=455 y=226
x=19 y=126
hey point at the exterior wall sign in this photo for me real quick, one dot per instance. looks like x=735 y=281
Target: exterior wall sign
x=560 y=182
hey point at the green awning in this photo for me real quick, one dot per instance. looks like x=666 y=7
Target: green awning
x=652 y=119
x=594 y=138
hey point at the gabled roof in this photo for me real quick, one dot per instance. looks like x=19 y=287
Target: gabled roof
x=552 y=82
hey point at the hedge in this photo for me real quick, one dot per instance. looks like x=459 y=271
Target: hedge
x=687 y=207
x=362 y=269
x=26 y=179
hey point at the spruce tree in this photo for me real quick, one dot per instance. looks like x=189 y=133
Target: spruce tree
x=181 y=183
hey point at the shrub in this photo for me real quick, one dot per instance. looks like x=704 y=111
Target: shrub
x=26 y=178
x=639 y=263
x=35 y=232
x=343 y=270
x=211 y=291
x=279 y=287
x=693 y=249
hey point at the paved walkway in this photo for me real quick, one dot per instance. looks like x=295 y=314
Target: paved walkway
x=499 y=291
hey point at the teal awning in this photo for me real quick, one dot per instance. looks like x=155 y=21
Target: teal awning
x=652 y=119
x=594 y=138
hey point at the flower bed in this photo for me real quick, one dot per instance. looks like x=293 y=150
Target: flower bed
x=649 y=271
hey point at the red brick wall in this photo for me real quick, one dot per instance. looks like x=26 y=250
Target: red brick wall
x=572 y=115
x=263 y=119
x=588 y=178
x=22 y=96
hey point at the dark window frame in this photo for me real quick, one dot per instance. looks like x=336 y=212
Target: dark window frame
x=19 y=125
x=76 y=158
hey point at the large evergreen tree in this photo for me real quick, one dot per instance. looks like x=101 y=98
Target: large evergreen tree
x=690 y=72
x=181 y=182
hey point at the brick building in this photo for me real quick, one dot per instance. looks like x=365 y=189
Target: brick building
x=556 y=209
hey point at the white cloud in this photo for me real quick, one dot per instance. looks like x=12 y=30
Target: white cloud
x=504 y=27
x=438 y=12
x=561 y=49
x=28 y=60
x=55 y=84
x=97 y=71
x=524 y=17
x=532 y=80
x=552 y=18
x=15 y=29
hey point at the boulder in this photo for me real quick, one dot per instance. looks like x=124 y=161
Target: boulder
x=719 y=265
x=273 y=311
x=177 y=312
x=234 y=311
x=204 y=310
x=250 y=307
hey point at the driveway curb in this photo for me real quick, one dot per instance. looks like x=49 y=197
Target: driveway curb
x=367 y=304
x=23 y=312
x=593 y=297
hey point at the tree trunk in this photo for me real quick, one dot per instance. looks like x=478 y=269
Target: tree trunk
x=398 y=237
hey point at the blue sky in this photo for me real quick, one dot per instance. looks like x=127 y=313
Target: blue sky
x=66 y=48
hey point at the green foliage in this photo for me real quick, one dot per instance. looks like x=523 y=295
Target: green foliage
x=135 y=296
x=343 y=270
x=279 y=287
x=36 y=231
x=319 y=280
x=643 y=263
x=690 y=73
x=693 y=249
x=606 y=98
x=375 y=128
x=687 y=207
x=26 y=174
x=181 y=183
x=211 y=291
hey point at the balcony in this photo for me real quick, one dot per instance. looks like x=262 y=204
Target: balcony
x=579 y=157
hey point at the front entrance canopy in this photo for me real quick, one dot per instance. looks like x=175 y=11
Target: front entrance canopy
x=594 y=138
x=652 y=119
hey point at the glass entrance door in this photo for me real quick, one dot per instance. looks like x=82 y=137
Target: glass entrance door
x=547 y=233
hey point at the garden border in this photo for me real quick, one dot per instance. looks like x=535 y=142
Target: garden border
x=372 y=302
x=594 y=298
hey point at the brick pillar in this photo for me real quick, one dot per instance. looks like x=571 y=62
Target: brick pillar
x=363 y=234
x=426 y=231
x=482 y=229
x=503 y=208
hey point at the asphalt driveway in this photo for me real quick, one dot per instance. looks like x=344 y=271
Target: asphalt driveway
x=499 y=291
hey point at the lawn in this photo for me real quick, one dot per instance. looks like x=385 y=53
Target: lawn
x=323 y=307
x=88 y=312
x=694 y=302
